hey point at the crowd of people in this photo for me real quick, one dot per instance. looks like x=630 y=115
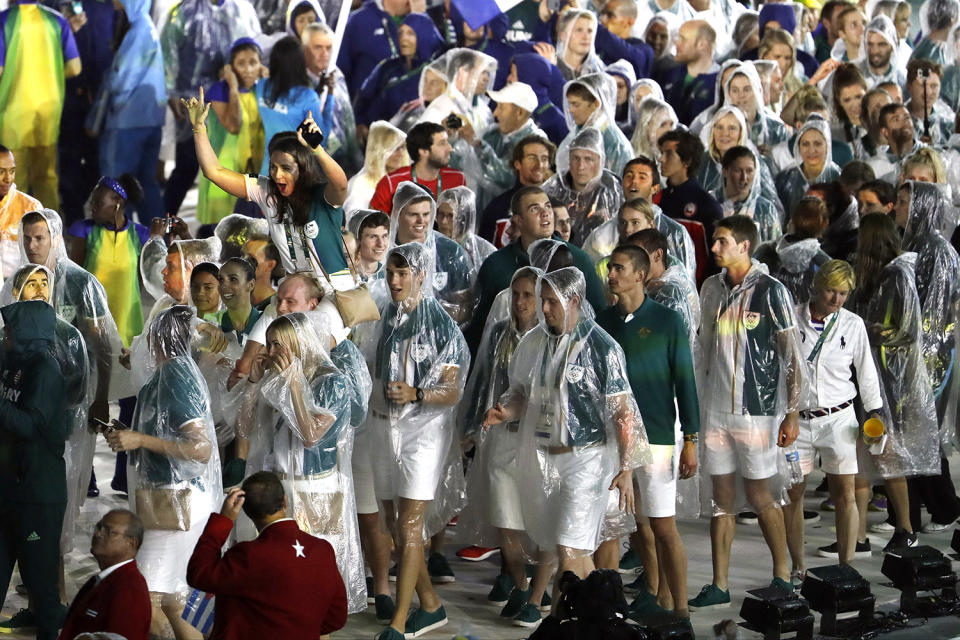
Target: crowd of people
x=560 y=275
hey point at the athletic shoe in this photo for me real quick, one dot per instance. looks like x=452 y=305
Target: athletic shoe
x=385 y=608
x=476 y=554
x=370 y=597
x=643 y=606
x=546 y=602
x=392 y=574
x=21 y=589
x=439 y=569
x=630 y=562
x=710 y=597
x=420 y=622
x=827 y=505
x=500 y=593
x=515 y=602
x=638 y=585
x=877 y=503
x=22 y=621
x=882 y=527
x=934 y=527
x=747 y=517
x=782 y=584
x=797 y=577
x=528 y=616
x=809 y=516
x=901 y=540
x=389 y=634
x=833 y=550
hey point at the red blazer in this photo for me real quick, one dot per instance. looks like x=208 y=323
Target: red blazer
x=119 y=604
x=284 y=584
x=382 y=199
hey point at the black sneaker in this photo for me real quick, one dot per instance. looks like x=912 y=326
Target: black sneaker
x=439 y=569
x=385 y=608
x=901 y=540
x=747 y=517
x=832 y=550
x=810 y=516
x=370 y=596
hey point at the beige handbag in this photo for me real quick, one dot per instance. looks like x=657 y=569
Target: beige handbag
x=355 y=305
x=164 y=509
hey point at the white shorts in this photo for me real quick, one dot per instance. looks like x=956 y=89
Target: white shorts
x=834 y=437
x=658 y=482
x=743 y=443
x=502 y=467
x=164 y=555
x=363 y=487
x=581 y=502
x=408 y=463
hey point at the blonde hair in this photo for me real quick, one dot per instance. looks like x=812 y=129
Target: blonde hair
x=929 y=158
x=643 y=206
x=773 y=36
x=835 y=274
x=287 y=334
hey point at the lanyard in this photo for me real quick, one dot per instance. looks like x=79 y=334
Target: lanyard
x=303 y=245
x=413 y=176
x=386 y=32
x=823 y=338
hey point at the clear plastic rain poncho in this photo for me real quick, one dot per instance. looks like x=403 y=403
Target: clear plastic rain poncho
x=468 y=74
x=310 y=443
x=624 y=70
x=464 y=204
x=569 y=40
x=937 y=275
x=616 y=148
x=719 y=100
x=653 y=115
x=650 y=89
x=883 y=26
x=950 y=82
x=415 y=451
x=749 y=366
x=893 y=317
x=934 y=16
x=383 y=141
x=235 y=230
x=496 y=448
x=599 y=200
x=451 y=270
x=153 y=260
x=80 y=378
x=173 y=494
x=579 y=423
x=794 y=262
x=767 y=129
x=676 y=290
x=763 y=212
x=792 y=183
x=672 y=21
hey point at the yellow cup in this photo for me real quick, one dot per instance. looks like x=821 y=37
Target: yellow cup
x=873 y=428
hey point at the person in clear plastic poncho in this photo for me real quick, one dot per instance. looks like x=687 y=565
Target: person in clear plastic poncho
x=308 y=437
x=814 y=163
x=750 y=384
x=654 y=117
x=166 y=270
x=887 y=301
x=77 y=297
x=451 y=268
x=35 y=282
x=492 y=517
x=741 y=192
x=173 y=463
x=592 y=194
x=950 y=83
x=937 y=276
x=937 y=17
x=591 y=101
x=744 y=90
x=576 y=52
x=468 y=74
x=457 y=220
x=881 y=26
x=419 y=370
x=385 y=152
x=580 y=431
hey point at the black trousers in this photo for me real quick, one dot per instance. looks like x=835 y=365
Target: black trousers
x=182 y=177
x=936 y=493
x=30 y=536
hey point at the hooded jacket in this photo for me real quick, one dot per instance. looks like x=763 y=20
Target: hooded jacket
x=547 y=83
x=33 y=423
x=794 y=262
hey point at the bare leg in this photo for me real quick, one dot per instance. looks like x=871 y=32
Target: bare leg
x=376 y=544
x=512 y=555
x=842 y=493
x=862 y=491
x=607 y=555
x=576 y=560
x=172 y=608
x=647 y=550
x=722 y=527
x=793 y=522
x=900 y=499
x=541 y=577
x=673 y=566
x=771 y=524
x=436 y=542
x=412 y=572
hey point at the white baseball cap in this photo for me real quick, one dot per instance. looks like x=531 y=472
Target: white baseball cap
x=518 y=93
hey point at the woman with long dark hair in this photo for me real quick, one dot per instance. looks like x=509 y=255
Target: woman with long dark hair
x=301 y=197
x=849 y=87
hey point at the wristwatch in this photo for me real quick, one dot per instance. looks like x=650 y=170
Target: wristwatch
x=419 y=394
x=690 y=437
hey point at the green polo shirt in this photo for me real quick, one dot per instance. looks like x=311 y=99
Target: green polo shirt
x=226 y=324
x=659 y=367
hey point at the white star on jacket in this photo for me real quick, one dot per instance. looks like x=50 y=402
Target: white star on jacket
x=298 y=548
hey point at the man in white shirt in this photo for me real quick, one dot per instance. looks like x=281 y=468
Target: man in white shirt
x=832 y=340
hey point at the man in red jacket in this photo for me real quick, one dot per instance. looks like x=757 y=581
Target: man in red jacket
x=429 y=150
x=116 y=600
x=284 y=584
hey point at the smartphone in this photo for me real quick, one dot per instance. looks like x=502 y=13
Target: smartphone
x=77 y=7
x=312 y=138
x=453 y=121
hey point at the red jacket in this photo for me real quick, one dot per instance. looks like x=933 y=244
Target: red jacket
x=119 y=604
x=382 y=199
x=284 y=584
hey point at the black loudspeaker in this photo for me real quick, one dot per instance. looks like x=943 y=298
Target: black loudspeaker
x=955 y=543
x=838 y=589
x=917 y=569
x=666 y=627
x=776 y=614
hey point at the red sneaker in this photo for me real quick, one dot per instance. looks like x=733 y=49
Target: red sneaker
x=476 y=554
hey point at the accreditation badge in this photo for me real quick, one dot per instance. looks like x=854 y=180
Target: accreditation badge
x=311 y=230
x=751 y=319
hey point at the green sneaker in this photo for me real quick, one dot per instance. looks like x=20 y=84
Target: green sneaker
x=515 y=602
x=639 y=584
x=783 y=584
x=20 y=621
x=528 y=616
x=710 y=597
x=439 y=569
x=500 y=592
x=643 y=606
x=389 y=634
x=385 y=608
x=420 y=622
x=630 y=562
x=546 y=602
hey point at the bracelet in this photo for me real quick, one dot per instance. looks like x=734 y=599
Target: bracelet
x=691 y=437
x=200 y=127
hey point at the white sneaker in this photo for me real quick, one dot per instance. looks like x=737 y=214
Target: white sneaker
x=934 y=527
x=882 y=527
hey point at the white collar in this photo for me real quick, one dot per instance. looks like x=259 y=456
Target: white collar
x=106 y=572
x=273 y=523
